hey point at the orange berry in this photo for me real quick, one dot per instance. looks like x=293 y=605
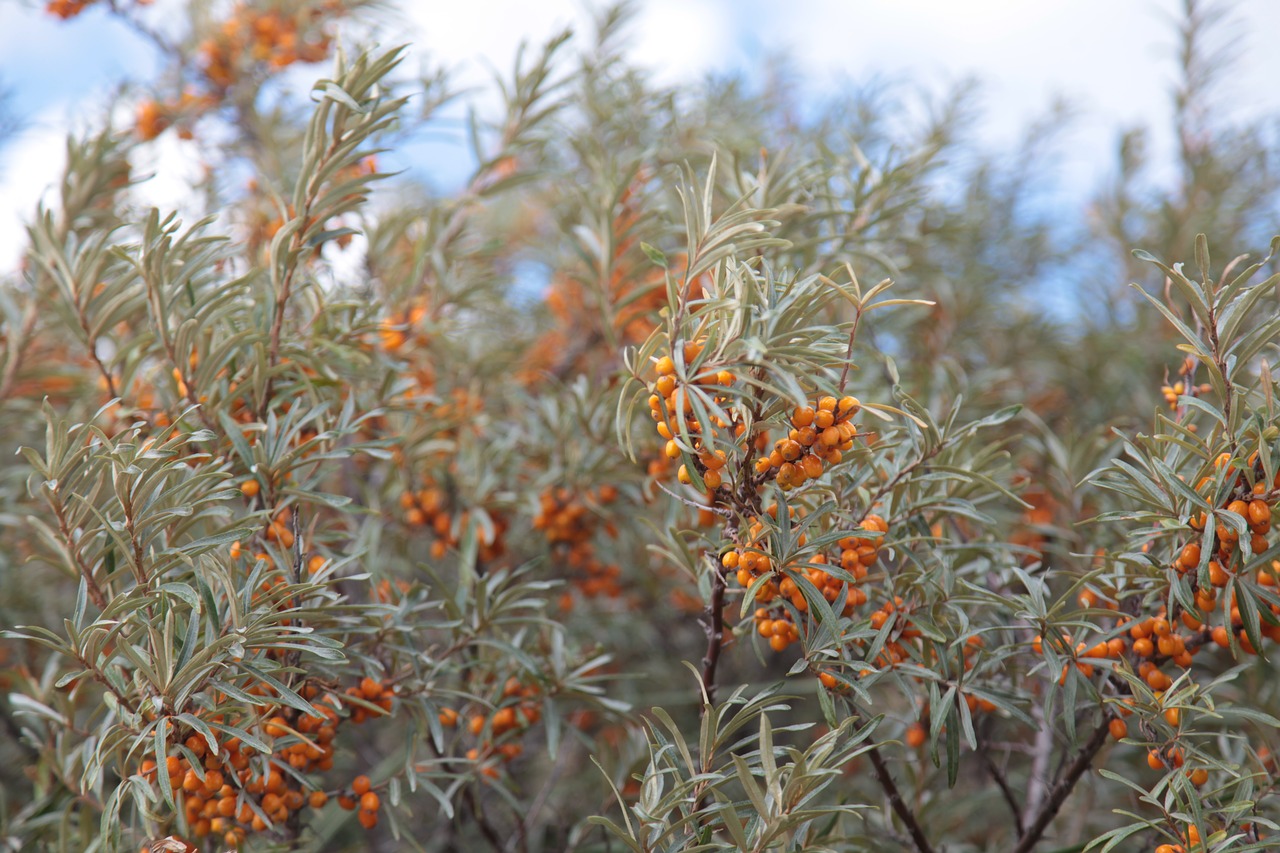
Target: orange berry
x=370 y=802
x=360 y=785
x=368 y=819
x=1119 y=728
x=1190 y=556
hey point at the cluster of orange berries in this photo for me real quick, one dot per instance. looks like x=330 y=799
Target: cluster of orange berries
x=1156 y=639
x=1159 y=638
x=66 y=9
x=1170 y=756
x=819 y=436
x=225 y=793
x=1251 y=505
x=363 y=797
x=268 y=38
x=279 y=529
x=894 y=650
x=405 y=326
x=859 y=553
x=428 y=508
x=154 y=117
x=569 y=525
x=671 y=403
x=750 y=562
x=519 y=711
x=751 y=559
x=1171 y=393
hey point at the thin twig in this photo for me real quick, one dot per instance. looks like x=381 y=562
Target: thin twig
x=1060 y=791
x=899 y=805
x=86 y=572
x=1003 y=784
x=544 y=793
x=1041 y=753
x=286 y=285
x=486 y=829
x=848 y=354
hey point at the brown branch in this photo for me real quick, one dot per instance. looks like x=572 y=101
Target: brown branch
x=899 y=805
x=91 y=583
x=1060 y=791
x=286 y=285
x=713 y=624
x=1220 y=362
x=486 y=829
x=848 y=355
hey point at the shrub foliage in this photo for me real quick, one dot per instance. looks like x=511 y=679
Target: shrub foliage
x=696 y=476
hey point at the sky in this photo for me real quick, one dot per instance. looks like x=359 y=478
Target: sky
x=1112 y=59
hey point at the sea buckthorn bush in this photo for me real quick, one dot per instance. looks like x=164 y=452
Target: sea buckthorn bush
x=785 y=512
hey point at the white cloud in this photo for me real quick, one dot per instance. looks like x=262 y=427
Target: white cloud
x=681 y=40
x=30 y=170
x=475 y=38
x=172 y=166
x=1114 y=60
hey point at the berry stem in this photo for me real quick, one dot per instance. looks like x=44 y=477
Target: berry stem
x=848 y=353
